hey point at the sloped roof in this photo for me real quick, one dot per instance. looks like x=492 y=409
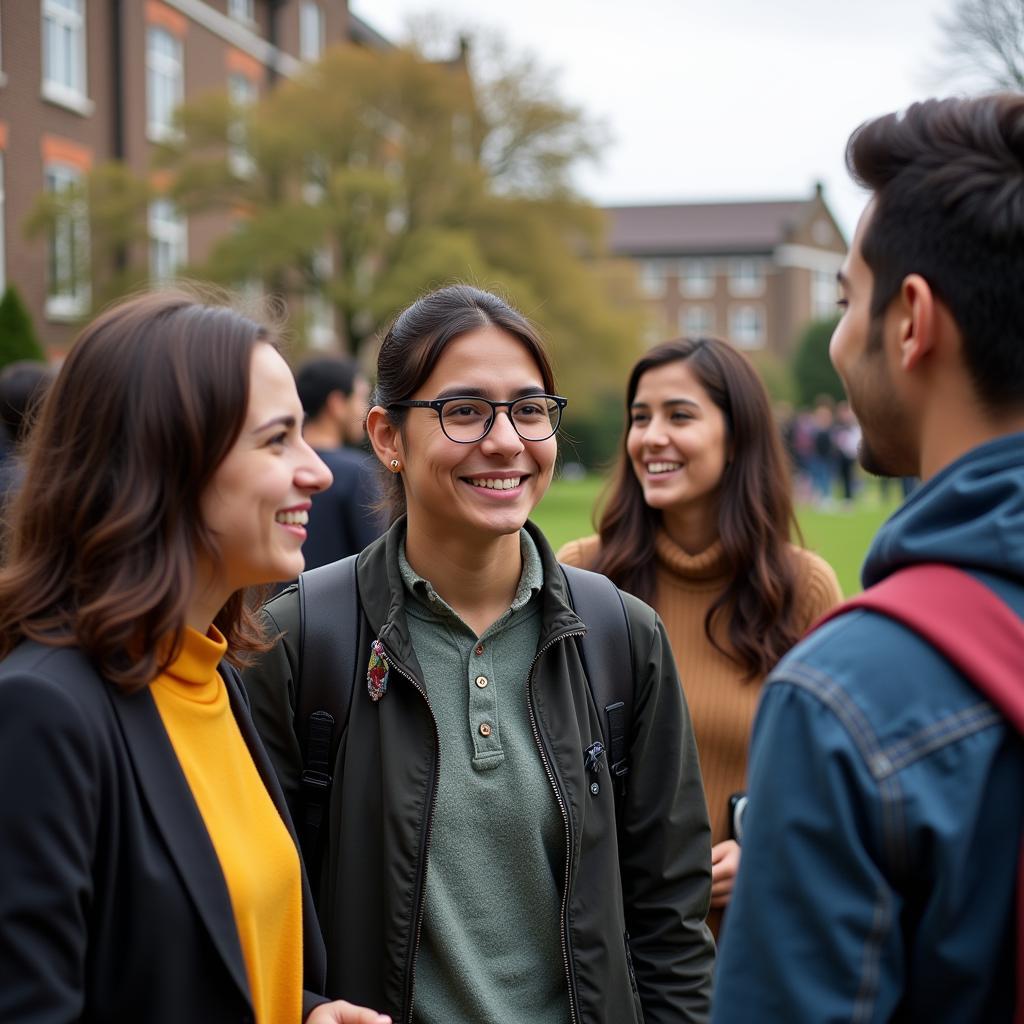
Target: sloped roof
x=752 y=226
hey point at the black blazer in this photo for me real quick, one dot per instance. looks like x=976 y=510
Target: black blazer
x=113 y=906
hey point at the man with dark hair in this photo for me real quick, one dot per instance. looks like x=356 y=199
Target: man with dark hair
x=334 y=395
x=879 y=876
x=23 y=386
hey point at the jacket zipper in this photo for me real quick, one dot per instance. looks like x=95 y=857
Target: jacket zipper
x=563 y=918
x=424 y=844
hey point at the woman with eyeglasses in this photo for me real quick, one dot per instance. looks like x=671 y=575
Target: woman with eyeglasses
x=698 y=523
x=474 y=869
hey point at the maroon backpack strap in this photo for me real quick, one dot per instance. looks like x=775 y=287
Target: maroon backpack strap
x=963 y=620
x=979 y=634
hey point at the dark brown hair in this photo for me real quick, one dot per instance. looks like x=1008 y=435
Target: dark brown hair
x=105 y=532
x=948 y=183
x=415 y=341
x=755 y=513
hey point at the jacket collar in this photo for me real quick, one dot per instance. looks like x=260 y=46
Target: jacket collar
x=180 y=823
x=382 y=593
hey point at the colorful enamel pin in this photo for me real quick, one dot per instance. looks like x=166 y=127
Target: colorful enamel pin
x=377 y=672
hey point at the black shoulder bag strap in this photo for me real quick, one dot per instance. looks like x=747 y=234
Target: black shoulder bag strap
x=328 y=635
x=607 y=654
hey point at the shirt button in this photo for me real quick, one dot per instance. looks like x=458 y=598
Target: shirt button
x=478 y=650
x=481 y=681
x=485 y=729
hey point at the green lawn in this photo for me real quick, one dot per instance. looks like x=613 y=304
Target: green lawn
x=841 y=537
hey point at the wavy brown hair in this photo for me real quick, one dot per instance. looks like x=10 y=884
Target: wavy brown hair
x=755 y=512
x=104 y=536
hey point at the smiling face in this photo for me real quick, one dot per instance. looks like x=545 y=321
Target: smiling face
x=484 y=489
x=677 y=442
x=257 y=503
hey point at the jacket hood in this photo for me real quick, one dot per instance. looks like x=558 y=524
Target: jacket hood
x=971 y=515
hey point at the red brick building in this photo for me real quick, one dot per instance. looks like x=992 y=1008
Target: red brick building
x=87 y=81
x=752 y=272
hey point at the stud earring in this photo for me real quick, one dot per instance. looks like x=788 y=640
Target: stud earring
x=395 y=464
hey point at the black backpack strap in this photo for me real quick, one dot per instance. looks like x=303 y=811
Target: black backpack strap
x=607 y=654
x=325 y=681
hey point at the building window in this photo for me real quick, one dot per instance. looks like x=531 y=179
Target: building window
x=243 y=94
x=68 y=293
x=64 y=77
x=311 y=30
x=746 y=277
x=168 y=240
x=165 y=82
x=696 y=277
x=696 y=321
x=652 y=278
x=242 y=10
x=824 y=294
x=746 y=326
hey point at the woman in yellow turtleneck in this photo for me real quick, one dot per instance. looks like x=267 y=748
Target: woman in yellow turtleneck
x=698 y=524
x=150 y=871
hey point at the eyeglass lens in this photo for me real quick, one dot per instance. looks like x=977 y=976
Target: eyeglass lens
x=469 y=419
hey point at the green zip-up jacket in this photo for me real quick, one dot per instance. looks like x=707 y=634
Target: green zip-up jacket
x=634 y=898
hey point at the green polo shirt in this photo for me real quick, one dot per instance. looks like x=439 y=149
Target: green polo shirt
x=490 y=948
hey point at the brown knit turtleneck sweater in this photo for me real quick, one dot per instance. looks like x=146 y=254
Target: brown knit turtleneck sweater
x=722 y=701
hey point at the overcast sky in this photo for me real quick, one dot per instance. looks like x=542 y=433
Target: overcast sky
x=716 y=99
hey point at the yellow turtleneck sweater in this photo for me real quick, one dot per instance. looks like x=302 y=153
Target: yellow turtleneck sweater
x=256 y=853
x=721 y=699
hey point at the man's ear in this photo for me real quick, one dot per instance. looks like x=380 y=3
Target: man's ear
x=916 y=316
x=384 y=436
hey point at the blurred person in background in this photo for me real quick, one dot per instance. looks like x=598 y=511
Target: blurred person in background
x=698 y=522
x=344 y=517
x=150 y=872
x=846 y=440
x=477 y=867
x=23 y=385
x=881 y=872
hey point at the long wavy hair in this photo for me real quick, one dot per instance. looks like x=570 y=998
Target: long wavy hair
x=105 y=534
x=755 y=512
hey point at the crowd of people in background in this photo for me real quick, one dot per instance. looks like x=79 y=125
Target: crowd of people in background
x=447 y=776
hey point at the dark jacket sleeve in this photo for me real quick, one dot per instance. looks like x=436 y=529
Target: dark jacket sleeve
x=271 y=687
x=49 y=810
x=665 y=836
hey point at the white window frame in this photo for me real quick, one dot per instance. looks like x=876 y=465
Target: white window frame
x=168 y=240
x=165 y=76
x=746 y=276
x=64 y=25
x=747 y=325
x=311 y=30
x=824 y=294
x=652 y=278
x=696 y=278
x=243 y=11
x=72 y=234
x=697 y=320
x=243 y=93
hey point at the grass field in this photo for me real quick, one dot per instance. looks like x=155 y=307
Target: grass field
x=841 y=537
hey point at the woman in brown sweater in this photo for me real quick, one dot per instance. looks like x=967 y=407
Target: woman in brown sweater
x=698 y=524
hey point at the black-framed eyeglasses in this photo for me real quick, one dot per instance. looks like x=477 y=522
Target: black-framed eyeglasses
x=468 y=419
